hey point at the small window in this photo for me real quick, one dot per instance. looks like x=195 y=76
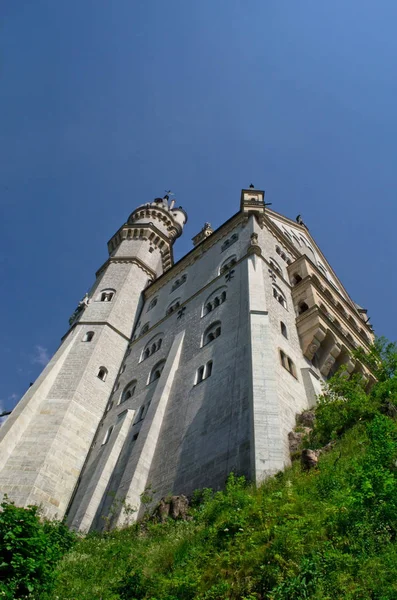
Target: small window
x=212 y=332
x=129 y=391
x=283 y=328
x=102 y=373
x=106 y=295
x=322 y=269
x=156 y=371
x=152 y=346
x=214 y=300
x=145 y=329
x=296 y=278
x=200 y=375
x=288 y=363
x=88 y=336
x=208 y=369
x=140 y=414
x=302 y=307
x=203 y=372
x=296 y=240
x=279 y=296
x=229 y=242
x=152 y=304
x=178 y=282
x=275 y=266
x=227 y=264
x=107 y=435
x=172 y=307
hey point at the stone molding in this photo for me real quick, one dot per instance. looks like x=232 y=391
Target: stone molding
x=124 y=260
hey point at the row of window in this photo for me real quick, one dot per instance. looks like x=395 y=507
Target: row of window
x=224 y=268
x=213 y=301
x=210 y=334
x=202 y=373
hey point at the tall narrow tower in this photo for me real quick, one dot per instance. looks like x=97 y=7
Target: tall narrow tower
x=45 y=441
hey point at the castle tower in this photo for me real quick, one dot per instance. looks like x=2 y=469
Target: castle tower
x=45 y=441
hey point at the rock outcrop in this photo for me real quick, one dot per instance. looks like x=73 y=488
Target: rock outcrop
x=174 y=507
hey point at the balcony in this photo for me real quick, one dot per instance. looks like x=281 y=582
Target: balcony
x=329 y=326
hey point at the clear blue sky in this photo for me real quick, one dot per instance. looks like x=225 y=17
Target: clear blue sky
x=105 y=104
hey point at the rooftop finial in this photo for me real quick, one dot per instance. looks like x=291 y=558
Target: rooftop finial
x=300 y=221
x=168 y=193
x=252 y=187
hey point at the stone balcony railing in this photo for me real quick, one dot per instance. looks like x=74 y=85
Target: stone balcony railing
x=329 y=326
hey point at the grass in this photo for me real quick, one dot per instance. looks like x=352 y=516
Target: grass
x=326 y=534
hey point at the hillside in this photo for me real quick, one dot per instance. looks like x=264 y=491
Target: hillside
x=324 y=533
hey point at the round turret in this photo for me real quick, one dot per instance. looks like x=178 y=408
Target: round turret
x=162 y=214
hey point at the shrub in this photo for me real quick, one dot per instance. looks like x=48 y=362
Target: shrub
x=29 y=551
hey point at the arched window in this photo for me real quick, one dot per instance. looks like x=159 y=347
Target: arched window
x=173 y=306
x=208 y=370
x=214 y=300
x=203 y=372
x=200 y=375
x=107 y=435
x=129 y=391
x=153 y=345
x=88 y=336
x=152 y=304
x=296 y=240
x=227 y=264
x=212 y=332
x=322 y=269
x=283 y=255
x=106 y=295
x=102 y=373
x=145 y=329
x=233 y=238
x=283 y=328
x=287 y=234
x=296 y=278
x=302 y=307
x=156 y=371
x=181 y=280
x=279 y=296
x=275 y=266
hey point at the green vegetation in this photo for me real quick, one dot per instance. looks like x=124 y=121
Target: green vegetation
x=325 y=534
x=29 y=551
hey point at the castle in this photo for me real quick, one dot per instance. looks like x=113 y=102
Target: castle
x=174 y=375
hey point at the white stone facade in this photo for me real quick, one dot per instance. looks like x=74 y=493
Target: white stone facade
x=206 y=366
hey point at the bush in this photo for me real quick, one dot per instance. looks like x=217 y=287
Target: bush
x=29 y=551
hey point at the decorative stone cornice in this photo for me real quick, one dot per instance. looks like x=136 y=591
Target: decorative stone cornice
x=103 y=323
x=127 y=260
